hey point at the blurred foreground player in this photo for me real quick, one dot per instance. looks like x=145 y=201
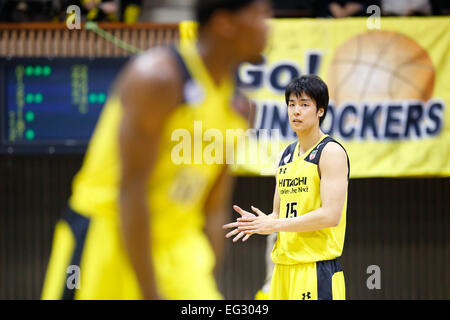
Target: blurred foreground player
x=136 y=216
x=309 y=204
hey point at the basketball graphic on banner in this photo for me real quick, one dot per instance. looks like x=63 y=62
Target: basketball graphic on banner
x=379 y=66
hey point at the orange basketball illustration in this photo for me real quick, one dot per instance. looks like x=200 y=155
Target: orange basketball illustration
x=379 y=66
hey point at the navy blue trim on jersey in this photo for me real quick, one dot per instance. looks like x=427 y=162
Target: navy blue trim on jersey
x=348 y=159
x=325 y=270
x=185 y=74
x=289 y=151
x=314 y=155
x=79 y=225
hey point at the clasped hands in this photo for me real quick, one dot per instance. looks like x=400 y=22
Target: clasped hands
x=249 y=224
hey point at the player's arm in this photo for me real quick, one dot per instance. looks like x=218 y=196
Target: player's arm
x=217 y=210
x=333 y=169
x=148 y=90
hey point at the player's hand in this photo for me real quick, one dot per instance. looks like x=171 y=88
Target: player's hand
x=236 y=232
x=260 y=224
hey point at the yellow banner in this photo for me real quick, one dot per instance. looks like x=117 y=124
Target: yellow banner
x=389 y=90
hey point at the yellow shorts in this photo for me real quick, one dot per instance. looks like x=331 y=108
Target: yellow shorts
x=322 y=280
x=183 y=267
x=261 y=295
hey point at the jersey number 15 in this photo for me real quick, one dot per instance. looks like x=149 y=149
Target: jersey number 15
x=291 y=209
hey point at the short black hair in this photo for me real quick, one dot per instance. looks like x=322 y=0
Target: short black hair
x=204 y=9
x=313 y=87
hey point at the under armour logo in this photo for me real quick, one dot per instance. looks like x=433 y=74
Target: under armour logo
x=282 y=170
x=306 y=295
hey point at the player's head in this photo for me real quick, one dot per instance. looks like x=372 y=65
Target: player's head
x=240 y=24
x=307 y=100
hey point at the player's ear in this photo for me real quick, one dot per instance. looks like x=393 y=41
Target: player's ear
x=320 y=112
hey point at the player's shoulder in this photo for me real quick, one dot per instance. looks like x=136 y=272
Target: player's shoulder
x=154 y=75
x=333 y=148
x=334 y=155
x=157 y=64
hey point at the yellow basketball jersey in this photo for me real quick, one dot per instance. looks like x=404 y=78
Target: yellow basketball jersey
x=298 y=184
x=188 y=162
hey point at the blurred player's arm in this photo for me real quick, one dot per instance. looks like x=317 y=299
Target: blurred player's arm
x=333 y=169
x=149 y=90
x=216 y=211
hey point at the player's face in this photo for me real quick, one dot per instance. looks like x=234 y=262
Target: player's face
x=303 y=113
x=251 y=30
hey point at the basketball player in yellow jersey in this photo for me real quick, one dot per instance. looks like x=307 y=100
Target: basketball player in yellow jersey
x=309 y=207
x=140 y=222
